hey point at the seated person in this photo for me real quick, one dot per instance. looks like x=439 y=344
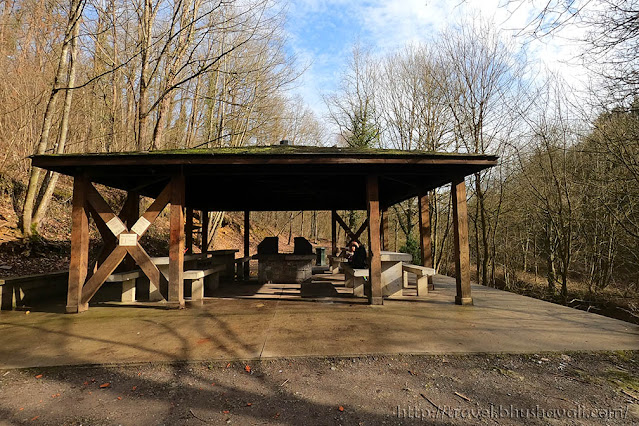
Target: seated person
x=358 y=259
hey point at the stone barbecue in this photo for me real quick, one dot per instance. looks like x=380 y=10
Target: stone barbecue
x=275 y=267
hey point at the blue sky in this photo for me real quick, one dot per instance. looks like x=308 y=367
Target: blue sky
x=322 y=33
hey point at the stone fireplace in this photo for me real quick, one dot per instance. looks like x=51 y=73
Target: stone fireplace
x=275 y=267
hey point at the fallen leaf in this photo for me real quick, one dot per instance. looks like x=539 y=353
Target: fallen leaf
x=228 y=365
x=105 y=385
x=247 y=368
x=85 y=383
x=226 y=411
x=134 y=388
x=35 y=418
x=248 y=404
x=39 y=376
x=119 y=398
x=21 y=408
x=340 y=408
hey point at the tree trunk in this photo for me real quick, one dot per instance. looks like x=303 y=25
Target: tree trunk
x=75 y=13
x=51 y=179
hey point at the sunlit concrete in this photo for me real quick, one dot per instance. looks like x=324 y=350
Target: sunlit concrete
x=248 y=322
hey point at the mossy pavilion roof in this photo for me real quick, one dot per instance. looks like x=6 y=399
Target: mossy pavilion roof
x=272 y=178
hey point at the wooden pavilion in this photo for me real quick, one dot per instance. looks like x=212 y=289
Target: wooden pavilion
x=271 y=178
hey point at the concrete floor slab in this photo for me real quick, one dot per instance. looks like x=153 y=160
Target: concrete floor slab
x=277 y=322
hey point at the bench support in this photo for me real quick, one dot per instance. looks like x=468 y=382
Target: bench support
x=128 y=290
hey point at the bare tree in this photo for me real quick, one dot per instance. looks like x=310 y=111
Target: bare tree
x=353 y=107
x=62 y=82
x=483 y=79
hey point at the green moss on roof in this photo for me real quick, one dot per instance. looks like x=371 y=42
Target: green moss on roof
x=274 y=150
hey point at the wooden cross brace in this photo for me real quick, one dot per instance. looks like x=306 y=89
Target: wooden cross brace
x=354 y=236
x=120 y=239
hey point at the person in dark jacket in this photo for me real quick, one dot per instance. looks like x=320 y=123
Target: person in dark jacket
x=359 y=260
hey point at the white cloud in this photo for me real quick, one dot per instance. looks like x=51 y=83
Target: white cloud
x=385 y=25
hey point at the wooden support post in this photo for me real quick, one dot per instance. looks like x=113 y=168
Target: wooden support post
x=79 y=246
x=129 y=215
x=205 y=231
x=375 y=261
x=424 y=230
x=462 y=254
x=188 y=230
x=176 y=244
x=333 y=232
x=247 y=228
x=385 y=236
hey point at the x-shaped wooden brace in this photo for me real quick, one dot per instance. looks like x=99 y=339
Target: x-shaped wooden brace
x=126 y=240
x=354 y=236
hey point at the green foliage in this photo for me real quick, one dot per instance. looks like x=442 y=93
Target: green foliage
x=412 y=247
x=364 y=133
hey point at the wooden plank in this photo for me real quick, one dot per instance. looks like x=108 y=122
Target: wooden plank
x=95 y=282
x=79 y=246
x=204 y=246
x=247 y=230
x=462 y=253
x=375 y=261
x=146 y=264
x=424 y=230
x=108 y=239
x=154 y=210
x=351 y=234
x=385 y=235
x=102 y=208
x=333 y=233
x=176 y=243
x=105 y=232
x=188 y=230
x=418 y=270
x=409 y=159
x=361 y=229
x=131 y=209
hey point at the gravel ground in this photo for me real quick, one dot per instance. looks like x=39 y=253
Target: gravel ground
x=569 y=388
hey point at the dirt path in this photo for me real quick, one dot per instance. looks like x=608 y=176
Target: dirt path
x=576 y=388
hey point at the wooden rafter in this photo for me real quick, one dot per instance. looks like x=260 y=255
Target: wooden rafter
x=354 y=236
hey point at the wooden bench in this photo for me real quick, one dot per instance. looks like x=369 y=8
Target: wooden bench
x=199 y=279
x=239 y=267
x=202 y=279
x=21 y=291
x=355 y=279
x=335 y=263
x=424 y=277
x=128 y=285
